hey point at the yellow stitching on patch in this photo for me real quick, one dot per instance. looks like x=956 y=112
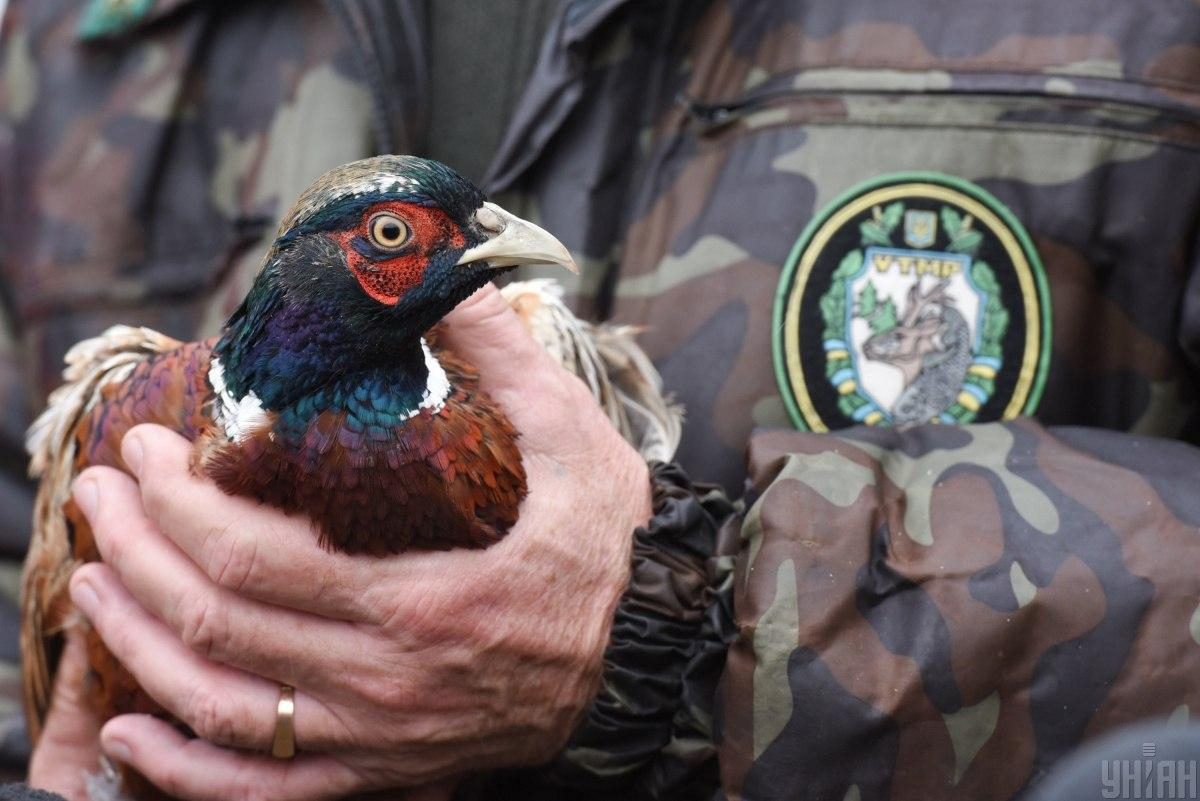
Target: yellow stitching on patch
x=982 y=370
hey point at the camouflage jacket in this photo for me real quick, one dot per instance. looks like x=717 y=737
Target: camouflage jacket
x=823 y=214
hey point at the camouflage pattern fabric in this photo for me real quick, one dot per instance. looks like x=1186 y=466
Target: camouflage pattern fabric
x=682 y=147
x=944 y=612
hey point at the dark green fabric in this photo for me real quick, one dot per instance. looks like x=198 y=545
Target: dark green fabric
x=478 y=68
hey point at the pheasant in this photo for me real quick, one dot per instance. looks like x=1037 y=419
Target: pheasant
x=326 y=393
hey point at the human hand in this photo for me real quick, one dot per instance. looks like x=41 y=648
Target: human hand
x=69 y=746
x=407 y=669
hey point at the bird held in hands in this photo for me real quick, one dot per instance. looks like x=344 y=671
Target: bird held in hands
x=325 y=394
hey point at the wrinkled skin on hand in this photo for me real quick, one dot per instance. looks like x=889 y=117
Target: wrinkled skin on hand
x=407 y=670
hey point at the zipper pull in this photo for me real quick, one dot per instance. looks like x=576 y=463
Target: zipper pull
x=709 y=116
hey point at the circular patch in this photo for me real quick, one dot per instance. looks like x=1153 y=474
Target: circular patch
x=912 y=298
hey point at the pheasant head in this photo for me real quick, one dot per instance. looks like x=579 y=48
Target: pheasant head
x=370 y=257
x=326 y=395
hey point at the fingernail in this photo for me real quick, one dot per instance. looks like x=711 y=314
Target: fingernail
x=86 y=495
x=83 y=594
x=117 y=749
x=131 y=452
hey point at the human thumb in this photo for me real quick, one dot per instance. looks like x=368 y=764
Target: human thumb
x=69 y=745
x=486 y=332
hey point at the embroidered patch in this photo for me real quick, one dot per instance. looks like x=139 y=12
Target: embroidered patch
x=913 y=298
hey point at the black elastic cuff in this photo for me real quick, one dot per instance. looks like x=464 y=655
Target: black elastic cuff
x=649 y=731
x=23 y=792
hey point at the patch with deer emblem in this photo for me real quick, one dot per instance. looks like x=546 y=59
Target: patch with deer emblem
x=913 y=298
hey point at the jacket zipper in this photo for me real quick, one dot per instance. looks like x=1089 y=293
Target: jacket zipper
x=711 y=117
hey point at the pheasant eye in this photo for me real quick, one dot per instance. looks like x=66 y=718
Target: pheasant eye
x=388 y=232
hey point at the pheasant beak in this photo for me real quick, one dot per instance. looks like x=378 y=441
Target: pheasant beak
x=513 y=241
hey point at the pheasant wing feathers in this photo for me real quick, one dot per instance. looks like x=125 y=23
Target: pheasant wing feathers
x=91 y=365
x=608 y=359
